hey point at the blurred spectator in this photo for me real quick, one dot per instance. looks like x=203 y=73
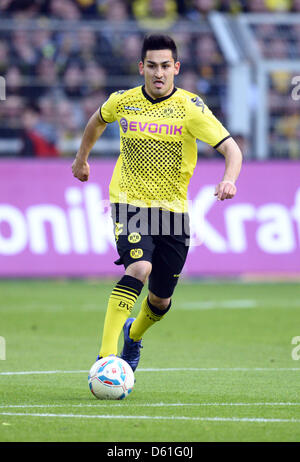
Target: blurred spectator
x=155 y=14
x=67 y=46
x=208 y=152
x=276 y=101
x=244 y=145
x=68 y=119
x=47 y=109
x=43 y=44
x=281 y=82
x=95 y=78
x=4 y=57
x=115 y=11
x=46 y=78
x=232 y=6
x=73 y=80
x=65 y=9
x=13 y=109
x=183 y=42
x=189 y=81
x=4 y=7
x=200 y=8
x=13 y=79
x=285 y=131
x=295 y=31
x=296 y=6
x=86 y=45
x=129 y=63
x=69 y=73
x=265 y=31
x=256 y=6
x=26 y=9
x=23 y=54
x=208 y=61
x=206 y=50
x=277 y=49
x=88 y=8
x=38 y=138
x=278 y=5
x=91 y=104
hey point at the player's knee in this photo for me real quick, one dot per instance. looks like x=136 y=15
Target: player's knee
x=160 y=303
x=139 y=270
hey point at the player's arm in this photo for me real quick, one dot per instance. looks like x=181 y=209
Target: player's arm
x=93 y=130
x=226 y=189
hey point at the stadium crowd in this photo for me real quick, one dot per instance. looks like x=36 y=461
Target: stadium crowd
x=57 y=77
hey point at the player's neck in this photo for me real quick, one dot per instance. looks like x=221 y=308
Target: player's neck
x=149 y=95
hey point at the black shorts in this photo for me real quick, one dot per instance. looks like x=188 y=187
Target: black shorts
x=155 y=235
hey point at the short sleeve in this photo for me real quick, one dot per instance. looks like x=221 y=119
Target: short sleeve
x=108 y=109
x=203 y=125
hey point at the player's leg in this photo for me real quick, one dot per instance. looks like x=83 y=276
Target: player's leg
x=135 y=251
x=167 y=262
x=153 y=309
x=120 y=305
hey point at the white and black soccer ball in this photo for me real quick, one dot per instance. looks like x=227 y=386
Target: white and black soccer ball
x=111 y=378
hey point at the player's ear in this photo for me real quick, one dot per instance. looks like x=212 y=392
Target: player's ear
x=141 y=67
x=177 y=68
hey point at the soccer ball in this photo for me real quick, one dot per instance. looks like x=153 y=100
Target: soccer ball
x=111 y=378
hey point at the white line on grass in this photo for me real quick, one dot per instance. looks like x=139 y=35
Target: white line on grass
x=111 y=405
x=147 y=417
x=223 y=369
x=220 y=304
x=237 y=304
x=42 y=372
x=174 y=369
x=192 y=305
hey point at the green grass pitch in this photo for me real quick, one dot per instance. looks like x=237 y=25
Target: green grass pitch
x=220 y=367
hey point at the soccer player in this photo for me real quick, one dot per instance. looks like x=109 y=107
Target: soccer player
x=159 y=125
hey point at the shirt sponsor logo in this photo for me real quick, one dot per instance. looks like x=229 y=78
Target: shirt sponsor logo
x=162 y=129
x=124 y=124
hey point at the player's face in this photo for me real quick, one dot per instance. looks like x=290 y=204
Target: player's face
x=159 y=70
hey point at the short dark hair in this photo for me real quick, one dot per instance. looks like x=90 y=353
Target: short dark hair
x=159 y=42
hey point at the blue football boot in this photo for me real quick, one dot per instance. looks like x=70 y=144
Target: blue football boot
x=131 y=349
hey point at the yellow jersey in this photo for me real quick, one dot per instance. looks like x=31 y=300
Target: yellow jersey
x=158 y=150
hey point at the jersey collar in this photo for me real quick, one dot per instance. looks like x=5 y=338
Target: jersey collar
x=157 y=100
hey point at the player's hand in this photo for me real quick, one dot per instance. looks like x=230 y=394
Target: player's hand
x=81 y=169
x=225 y=190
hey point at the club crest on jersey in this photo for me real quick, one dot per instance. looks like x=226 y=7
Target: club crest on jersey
x=136 y=253
x=169 y=111
x=134 y=238
x=124 y=124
